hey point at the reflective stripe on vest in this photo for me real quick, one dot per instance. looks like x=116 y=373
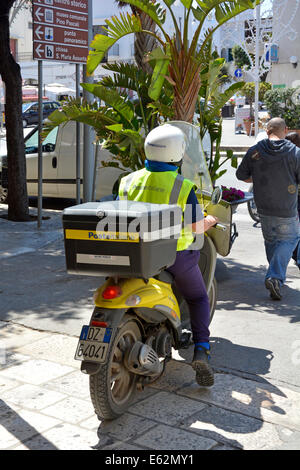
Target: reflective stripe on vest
x=159 y=188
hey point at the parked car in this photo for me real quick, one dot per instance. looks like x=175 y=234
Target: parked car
x=59 y=165
x=30 y=111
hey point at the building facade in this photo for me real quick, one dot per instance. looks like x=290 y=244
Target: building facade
x=286 y=71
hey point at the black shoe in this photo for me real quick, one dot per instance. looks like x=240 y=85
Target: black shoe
x=273 y=285
x=204 y=372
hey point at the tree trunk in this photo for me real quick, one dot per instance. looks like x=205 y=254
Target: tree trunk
x=11 y=75
x=143 y=42
x=187 y=74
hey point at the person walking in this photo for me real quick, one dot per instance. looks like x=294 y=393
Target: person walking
x=160 y=183
x=295 y=138
x=273 y=165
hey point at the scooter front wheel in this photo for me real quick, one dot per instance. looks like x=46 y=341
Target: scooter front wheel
x=212 y=295
x=113 y=387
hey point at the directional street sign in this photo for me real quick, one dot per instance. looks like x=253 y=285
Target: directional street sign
x=60 y=30
x=238 y=73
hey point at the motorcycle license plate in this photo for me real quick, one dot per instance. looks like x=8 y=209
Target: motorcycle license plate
x=93 y=344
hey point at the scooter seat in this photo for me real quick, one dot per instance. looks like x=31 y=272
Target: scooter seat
x=165 y=276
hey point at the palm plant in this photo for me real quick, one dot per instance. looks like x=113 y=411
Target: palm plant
x=142 y=42
x=120 y=124
x=211 y=101
x=176 y=58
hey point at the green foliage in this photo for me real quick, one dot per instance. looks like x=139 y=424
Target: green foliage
x=240 y=57
x=169 y=47
x=282 y=103
x=248 y=91
x=211 y=102
x=120 y=123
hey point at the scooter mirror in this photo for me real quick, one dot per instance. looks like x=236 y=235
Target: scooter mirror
x=216 y=195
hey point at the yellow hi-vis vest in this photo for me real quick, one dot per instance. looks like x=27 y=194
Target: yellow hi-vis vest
x=166 y=187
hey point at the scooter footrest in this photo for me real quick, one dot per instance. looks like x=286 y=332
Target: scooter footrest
x=185 y=340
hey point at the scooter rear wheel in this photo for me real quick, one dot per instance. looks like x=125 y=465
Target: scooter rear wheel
x=113 y=387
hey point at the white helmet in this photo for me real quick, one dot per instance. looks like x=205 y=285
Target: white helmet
x=166 y=144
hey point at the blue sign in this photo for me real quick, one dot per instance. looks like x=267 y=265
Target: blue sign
x=238 y=73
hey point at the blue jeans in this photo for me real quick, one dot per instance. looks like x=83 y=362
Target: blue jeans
x=281 y=237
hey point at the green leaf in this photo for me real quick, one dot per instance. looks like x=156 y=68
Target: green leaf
x=154 y=10
x=234 y=162
x=227 y=10
x=169 y=3
x=116 y=29
x=115 y=127
x=187 y=3
x=112 y=98
x=218 y=175
x=162 y=61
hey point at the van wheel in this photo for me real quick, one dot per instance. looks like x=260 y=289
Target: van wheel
x=3 y=195
x=25 y=123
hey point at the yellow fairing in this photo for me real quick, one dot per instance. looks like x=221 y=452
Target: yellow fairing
x=152 y=294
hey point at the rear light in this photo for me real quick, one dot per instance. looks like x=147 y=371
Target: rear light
x=112 y=292
x=100 y=324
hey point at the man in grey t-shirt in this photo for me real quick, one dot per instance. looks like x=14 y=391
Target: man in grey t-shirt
x=273 y=165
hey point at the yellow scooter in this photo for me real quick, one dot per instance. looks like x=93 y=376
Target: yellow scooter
x=137 y=320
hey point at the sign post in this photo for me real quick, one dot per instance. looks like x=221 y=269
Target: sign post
x=60 y=33
x=60 y=30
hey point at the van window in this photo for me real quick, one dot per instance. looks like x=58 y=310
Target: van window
x=31 y=144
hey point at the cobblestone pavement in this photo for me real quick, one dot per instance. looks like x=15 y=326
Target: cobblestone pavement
x=45 y=405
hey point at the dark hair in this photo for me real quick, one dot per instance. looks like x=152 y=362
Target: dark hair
x=294 y=137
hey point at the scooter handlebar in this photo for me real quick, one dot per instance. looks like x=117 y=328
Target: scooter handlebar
x=220 y=227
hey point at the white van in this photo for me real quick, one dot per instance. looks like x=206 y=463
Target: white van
x=59 y=165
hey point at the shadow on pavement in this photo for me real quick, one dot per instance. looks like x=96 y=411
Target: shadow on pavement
x=242 y=286
x=230 y=412
x=22 y=430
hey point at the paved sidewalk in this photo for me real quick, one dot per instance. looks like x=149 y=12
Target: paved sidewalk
x=45 y=405
x=44 y=399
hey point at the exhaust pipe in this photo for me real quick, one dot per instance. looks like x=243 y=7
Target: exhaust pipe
x=143 y=360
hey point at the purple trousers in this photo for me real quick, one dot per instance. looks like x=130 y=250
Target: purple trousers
x=189 y=281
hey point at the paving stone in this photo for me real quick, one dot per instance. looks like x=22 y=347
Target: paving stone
x=233 y=429
x=12 y=359
x=71 y=410
x=140 y=395
x=169 y=438
x=265 y=401
x=166 y=408
x=119 y=445
x=126 y=427
x=75 y=383
x=15 y=336
x=63 y=437
x=32 y=397
x=21 y=425
x=92 y=423
x=7 y=384
x=36 y=371
x=7 y=410
x=61 y=347
x=176 y=375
